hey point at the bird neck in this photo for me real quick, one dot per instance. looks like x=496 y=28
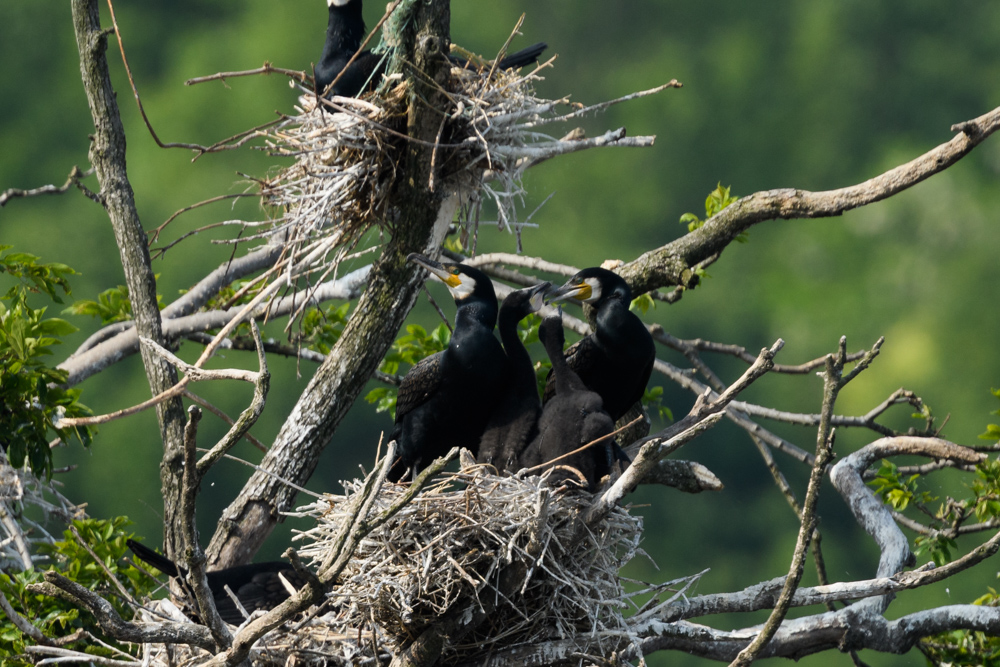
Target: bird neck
x=517 y=355
x=476 y=314
x=615 y=323
x=345 y=31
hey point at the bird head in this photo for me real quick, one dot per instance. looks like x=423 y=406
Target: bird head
x=464 y=282
x=593 y=286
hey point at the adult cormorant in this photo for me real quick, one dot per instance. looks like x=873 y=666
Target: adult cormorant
x=572 y=418
x=617 y=359
x=345 y=31
x=257 y=585
x=514 y=421
x=447 y=398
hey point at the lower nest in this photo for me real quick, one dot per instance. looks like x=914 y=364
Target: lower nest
x=505 y=560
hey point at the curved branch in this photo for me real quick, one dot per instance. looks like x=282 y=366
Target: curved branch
x=673 y=263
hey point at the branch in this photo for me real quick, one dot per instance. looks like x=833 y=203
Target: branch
x=113 y=624
x=74 y=178
x=673 y=263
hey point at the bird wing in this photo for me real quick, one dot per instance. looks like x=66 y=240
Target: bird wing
x=419 y=384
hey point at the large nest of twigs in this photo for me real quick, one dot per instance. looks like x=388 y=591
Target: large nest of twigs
x=476 y=541
x=471 y=543
x=347 y=157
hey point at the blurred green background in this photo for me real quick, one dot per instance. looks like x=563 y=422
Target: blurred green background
x=814 y=94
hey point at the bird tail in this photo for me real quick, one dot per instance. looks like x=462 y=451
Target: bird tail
x=523 y=57
x=159 y=561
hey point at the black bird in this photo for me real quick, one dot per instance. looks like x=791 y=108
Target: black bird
x=617 y=359
x=257 y=585
x=344 y=33
x=447 y=398
x=572 y=418
x=514 y=421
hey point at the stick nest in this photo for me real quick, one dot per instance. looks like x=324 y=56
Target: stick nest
x=347 y=156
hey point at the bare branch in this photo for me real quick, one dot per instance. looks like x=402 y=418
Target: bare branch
x=74 y=178
x=673 y=263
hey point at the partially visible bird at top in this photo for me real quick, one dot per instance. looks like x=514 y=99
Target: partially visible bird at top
x=345 y=31
x=514 y=421
x=617 y=359
x=572 y=418
x=256 y=586
x=446 y=399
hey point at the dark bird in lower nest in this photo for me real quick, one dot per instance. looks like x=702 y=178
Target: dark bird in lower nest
x=447 y=398
x=514 y=421
x=346 y=31
x=572 y=418
x=256 y=586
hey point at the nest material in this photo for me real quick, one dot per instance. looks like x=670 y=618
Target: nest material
x=449 y=549
x=346 y=157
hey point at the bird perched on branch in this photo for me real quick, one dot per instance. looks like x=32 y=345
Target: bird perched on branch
x=572 y=418
x=346 y=31
x=617 y=359
x=256 y=586
x=514 y=421
x=447 y=398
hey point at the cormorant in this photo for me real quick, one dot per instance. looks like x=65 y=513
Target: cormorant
x=257 y=585
x=514 y=421
x=447 y=398
x=572 y=418
x=617 y=359
x=344 y=33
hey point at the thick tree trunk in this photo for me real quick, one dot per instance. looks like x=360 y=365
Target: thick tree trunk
x=420 y=224
x=107 y=154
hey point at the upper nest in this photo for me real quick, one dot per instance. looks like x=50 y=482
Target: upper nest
x=346 y=158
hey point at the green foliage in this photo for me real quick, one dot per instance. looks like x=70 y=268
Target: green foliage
x=112 y=305
x=321 y=329
x=717 y=199
x=652 y=400
x=895 y=490
x=992 y=430
x=31 y=399
x=409 y=348
x=965 y=648
x=56 y=618
x=642 y=303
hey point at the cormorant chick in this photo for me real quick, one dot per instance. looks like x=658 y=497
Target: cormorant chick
x=514 y=421
x=345 y=31
x=572 y=418
x=447 y=398
x=617 y=359
x=257 y=585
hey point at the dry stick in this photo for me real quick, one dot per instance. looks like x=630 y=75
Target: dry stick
x=73 y=179
x=194 y=557
x=596 y=441
x=832 y=383
x=179 y=387
x=154 y=235
x=248 y=417
x=112 y=623
x=267 y=68
x=195 y=398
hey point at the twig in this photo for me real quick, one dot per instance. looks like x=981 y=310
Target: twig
x=223 y=416
x=75 y=175
x=267 y=68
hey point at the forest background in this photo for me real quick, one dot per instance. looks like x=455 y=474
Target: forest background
x=814 y=94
